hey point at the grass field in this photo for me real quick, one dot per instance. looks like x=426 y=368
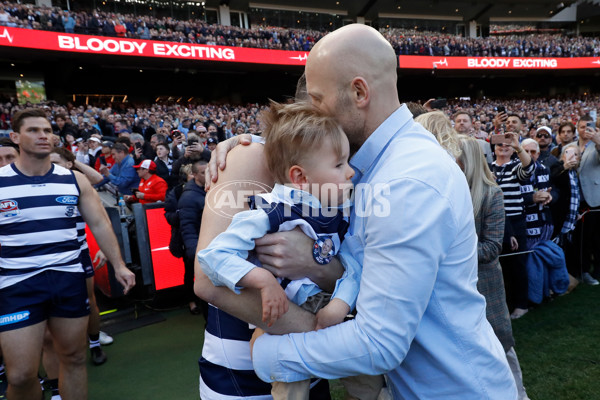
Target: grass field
x=557 y=344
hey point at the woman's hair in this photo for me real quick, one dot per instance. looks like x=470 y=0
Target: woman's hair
x=293 y=132
x=439 y=124
x=479 y=177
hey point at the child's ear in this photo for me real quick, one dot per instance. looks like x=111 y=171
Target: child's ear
x=297 y=175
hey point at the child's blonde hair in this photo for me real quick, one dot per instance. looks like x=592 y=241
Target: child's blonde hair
x=292 y=132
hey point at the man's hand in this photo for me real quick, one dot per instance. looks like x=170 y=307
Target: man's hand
x=104 y=170
x=332 y=314
x=593 y=134
x=514 y=244
x=285 y=254
x=500 y=119
x=139 y=195
x=219 y=155
x=125 y=277
x=542 y=197
x=99 y=260
x=138 y=152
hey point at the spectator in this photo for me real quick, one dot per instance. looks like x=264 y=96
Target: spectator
x=211 y=143
x=565 y=209
x=190 y=207
x=543 y=136
x=537 y=197
x=122 y=174
x=105 y=157
x=510 y=174
x=488 y=208
x=463 y=124
x=164 y=164
x=142 y=149
x=95 y=148
x=589 y=177
x=152 y=188
x=566 y=135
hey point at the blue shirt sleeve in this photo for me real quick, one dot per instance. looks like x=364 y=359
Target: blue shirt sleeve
x=400 y=264
x=224 y=260
x=348 y=285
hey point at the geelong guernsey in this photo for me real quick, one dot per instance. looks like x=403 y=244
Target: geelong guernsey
x=38 y=223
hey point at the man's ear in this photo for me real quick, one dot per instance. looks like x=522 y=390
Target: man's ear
x=14 y=136
x=361 y=92
x=297 y=175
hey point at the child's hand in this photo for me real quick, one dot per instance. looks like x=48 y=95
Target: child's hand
x=274 y=303
x=332 y=314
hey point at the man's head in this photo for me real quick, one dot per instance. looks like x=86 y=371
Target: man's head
x=514 y=123
x=145 y=169
x=532 y=147
x=32 y=132
x=351 y=76
x=198 y=170
x=9 y=152
x=582 y=124
x=543 y=136
x=162 y=150
x=211 y=143
x=61 y=120
x=566 y=133
x=119 y=152
x=463 y=123
x=107 y=147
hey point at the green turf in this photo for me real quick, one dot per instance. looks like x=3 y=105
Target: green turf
x=557 y=344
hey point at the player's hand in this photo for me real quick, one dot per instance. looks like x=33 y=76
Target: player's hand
x=125 y=277
x=219 y=155
x=99 y=260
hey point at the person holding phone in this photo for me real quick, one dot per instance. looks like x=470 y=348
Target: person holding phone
x=565 y=209
x=510 y=173
x=589 y=176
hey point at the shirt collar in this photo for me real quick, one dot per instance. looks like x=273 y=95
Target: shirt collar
x=369 y=152
x=293 y=195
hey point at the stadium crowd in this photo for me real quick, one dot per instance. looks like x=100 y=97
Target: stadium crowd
x=404 y=41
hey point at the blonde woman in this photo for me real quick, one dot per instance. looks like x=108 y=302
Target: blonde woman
x=439 y=124
x=488 y=207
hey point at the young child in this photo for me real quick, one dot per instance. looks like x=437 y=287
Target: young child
x=308 y=151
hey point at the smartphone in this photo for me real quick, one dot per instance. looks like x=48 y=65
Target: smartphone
x=103 y=160
x=439 y=103
x=591 y=124
x=501 y=109
x=138 y=145
x=501 y=138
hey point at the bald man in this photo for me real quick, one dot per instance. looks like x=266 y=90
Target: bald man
x=420 y=319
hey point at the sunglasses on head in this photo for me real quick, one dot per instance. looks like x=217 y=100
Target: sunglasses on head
x=543 y=135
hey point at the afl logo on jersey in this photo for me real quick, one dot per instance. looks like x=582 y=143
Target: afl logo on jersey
x=9 y=208
x=67 y=199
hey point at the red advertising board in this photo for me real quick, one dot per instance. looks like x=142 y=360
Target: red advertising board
x=168 y=270
x=45 y=40
x=495 y=63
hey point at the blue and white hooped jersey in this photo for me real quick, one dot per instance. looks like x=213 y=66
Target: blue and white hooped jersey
x=38 y=223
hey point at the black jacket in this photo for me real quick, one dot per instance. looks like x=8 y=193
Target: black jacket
x=172 y=216
x=190 y=207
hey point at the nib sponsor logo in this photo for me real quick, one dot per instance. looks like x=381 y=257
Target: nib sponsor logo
x=6 y=35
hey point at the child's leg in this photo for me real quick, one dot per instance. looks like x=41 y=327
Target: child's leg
x=290 y=390
x=363 y=387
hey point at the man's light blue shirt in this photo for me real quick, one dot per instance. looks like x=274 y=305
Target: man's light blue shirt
x=420 y=318
x=225 y=260
x=124 y=176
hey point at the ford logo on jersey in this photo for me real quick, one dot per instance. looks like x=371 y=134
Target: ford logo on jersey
x=67 y=199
